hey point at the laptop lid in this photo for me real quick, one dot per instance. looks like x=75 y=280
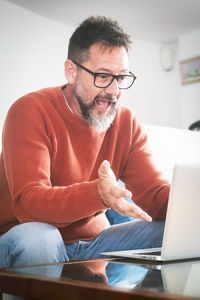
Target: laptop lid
x=181 y=238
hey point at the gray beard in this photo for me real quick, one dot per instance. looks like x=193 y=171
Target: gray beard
x=102 y=122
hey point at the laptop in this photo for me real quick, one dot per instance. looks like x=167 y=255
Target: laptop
x=181 y=239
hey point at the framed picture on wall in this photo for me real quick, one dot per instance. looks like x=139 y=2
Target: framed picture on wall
x=190 y=70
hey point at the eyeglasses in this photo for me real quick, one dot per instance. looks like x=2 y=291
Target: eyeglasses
x=103 y=80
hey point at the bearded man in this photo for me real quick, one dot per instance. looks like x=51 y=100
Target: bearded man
x=64 y=149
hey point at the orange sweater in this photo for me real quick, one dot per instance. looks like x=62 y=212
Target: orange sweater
x=50 y=160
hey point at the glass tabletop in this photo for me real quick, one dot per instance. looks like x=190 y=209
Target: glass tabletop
x=182 y=278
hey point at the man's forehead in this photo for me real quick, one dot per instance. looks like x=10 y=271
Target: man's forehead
x=113 y=58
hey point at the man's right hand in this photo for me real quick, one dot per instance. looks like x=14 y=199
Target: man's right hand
x=113 y=196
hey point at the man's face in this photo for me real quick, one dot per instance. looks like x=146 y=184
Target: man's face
x=98 y=105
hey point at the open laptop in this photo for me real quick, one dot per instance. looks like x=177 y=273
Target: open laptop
x=181 y=238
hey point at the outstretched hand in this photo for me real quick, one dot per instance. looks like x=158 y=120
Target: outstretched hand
x=113 y=196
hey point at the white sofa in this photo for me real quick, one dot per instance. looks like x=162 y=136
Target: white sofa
x=171 y=145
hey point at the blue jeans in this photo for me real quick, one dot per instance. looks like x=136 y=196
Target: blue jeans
x=39 y=243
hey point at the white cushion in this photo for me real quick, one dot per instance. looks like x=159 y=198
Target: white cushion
x=170 y=145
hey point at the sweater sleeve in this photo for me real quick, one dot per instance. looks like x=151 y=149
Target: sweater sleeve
x=28 y=154
x=150 y=191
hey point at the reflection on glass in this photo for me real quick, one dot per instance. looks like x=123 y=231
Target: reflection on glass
x=181 y=278
x=125 y=275
x=51 y=270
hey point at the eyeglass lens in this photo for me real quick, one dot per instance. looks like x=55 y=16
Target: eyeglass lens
x=104 y=80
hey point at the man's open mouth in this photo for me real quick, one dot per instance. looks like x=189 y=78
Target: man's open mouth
x=104 y=103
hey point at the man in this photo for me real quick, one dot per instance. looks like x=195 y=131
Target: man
x=64 y=148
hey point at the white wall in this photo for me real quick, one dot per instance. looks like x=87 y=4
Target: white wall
x=190 y=94
x=155 y=94
x=33 y=50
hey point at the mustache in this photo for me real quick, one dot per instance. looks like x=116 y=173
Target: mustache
x=108 y=97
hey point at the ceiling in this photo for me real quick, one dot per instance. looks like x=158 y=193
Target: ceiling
x=152 y=20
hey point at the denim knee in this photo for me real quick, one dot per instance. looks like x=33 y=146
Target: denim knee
x=32 y=243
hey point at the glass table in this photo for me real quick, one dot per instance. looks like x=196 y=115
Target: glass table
x=104 y=279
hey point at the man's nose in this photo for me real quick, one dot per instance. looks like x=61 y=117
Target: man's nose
x=113 y=88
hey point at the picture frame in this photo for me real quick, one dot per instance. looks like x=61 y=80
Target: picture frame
x=190 y=70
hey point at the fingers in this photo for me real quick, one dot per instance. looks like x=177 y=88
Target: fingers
x=105 y=171
x=113 y=196
x=124 y=207
x=131 y=210
x=141 y=214
x=119 y=192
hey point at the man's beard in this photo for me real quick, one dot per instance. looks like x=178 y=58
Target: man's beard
x=104 y=120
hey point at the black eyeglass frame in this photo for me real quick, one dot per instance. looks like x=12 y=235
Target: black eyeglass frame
x=107 y=74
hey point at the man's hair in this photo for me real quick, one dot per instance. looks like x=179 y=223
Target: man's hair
x=93 y=30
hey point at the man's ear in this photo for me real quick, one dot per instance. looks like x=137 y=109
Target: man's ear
x=70 y=71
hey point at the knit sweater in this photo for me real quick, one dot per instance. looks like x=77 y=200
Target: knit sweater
x=49 y=167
